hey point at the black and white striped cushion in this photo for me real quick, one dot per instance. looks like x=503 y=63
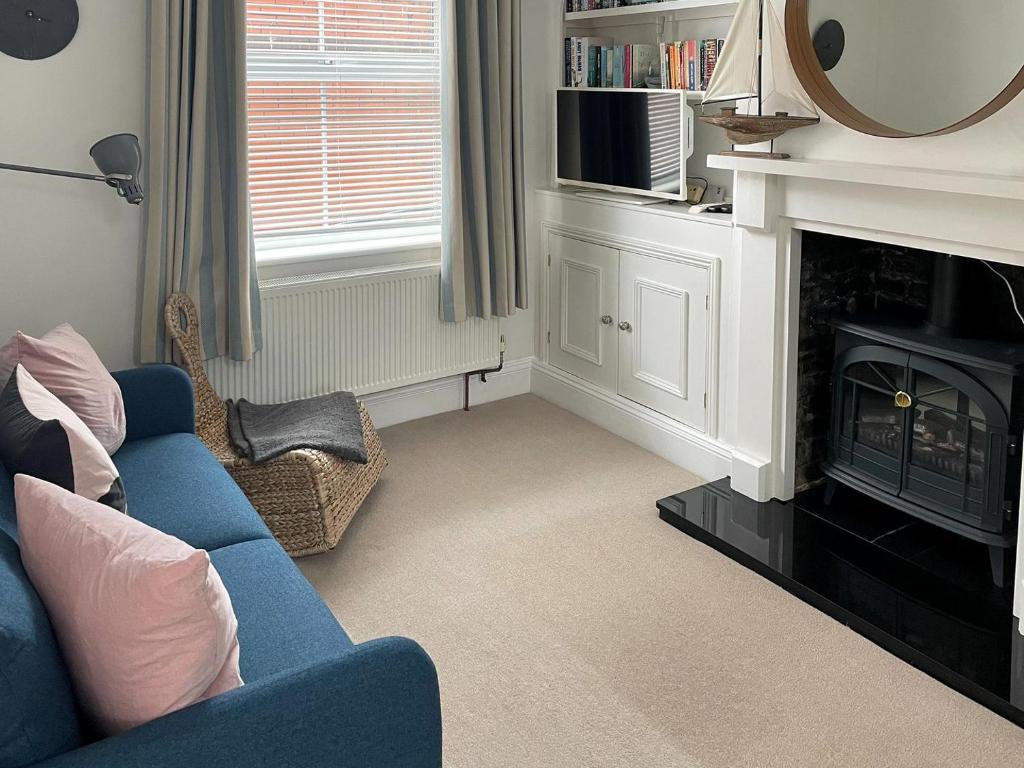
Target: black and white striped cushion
x=42 y=437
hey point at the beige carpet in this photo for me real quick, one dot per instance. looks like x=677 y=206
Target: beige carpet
x=571 y=627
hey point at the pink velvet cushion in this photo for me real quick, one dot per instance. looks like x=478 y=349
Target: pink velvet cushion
x=143 y=619
x=66 y=364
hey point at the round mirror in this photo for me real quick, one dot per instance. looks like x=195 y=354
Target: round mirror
x=901 y=68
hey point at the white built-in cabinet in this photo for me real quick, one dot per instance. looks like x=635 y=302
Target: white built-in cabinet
x=632 y=320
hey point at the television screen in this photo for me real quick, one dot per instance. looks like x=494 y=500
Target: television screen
x=623 y=141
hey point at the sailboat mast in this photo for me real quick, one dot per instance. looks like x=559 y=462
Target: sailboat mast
x=760 y=55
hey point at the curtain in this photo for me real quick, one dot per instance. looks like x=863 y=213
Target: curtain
x=483 y=261
x=197 y=223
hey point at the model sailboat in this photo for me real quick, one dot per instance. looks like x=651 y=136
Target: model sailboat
x=756 y=35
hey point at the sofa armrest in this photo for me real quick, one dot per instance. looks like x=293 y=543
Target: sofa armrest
x=375 y=706
x=158 y=400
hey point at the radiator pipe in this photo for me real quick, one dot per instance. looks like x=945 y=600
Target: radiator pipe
x=482 y=374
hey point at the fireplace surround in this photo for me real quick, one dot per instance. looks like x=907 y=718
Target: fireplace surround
x=771 y=417
x=780 y=203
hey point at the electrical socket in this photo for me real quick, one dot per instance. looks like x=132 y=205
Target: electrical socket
x=715 y=194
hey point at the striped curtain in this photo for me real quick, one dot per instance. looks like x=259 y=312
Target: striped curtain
x=483 y=256
x=197 y=223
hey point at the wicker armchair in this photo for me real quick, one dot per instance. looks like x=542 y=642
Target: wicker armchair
x=307 y=498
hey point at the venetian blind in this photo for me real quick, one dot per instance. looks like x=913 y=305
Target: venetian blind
x=344 y=105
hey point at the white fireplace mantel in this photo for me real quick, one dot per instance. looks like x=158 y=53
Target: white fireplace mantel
x=775 y=201
x=920 y=179
x=979 y=215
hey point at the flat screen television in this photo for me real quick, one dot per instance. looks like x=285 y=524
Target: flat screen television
x=625 y=141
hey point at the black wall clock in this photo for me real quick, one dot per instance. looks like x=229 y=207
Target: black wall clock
x=37 y=29
x=830 y=44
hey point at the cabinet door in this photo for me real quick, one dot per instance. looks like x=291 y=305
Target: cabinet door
x=583 y=281
x=663 y=347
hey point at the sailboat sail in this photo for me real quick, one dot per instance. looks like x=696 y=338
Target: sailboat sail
x=782 y=90
x=736 y=76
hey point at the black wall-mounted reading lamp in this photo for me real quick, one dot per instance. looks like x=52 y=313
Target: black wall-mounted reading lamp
x=119 y=158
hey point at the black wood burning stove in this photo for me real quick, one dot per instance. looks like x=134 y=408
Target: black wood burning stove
x=929 y=424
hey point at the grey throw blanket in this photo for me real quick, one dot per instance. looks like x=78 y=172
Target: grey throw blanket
x=329 y=423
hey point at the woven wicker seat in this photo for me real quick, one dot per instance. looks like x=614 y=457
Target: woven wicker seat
x=307 y=498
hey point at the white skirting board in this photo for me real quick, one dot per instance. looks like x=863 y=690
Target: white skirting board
x=667 y=438
x=442 y=395
x=648 y=429
x=659 y=434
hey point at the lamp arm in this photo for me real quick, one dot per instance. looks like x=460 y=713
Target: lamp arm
x=67 y=174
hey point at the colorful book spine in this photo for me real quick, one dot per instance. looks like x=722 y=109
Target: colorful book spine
x=710 y=61
x=579 y=66
x=567 y=55
x=645 y=58
x=691 y=65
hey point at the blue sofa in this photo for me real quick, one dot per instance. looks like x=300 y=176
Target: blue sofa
x=311 y=697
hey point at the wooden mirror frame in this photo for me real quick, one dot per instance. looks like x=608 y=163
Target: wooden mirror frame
x=827 y=96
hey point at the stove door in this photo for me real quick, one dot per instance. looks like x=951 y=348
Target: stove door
x=869 y=428
x=957 y=451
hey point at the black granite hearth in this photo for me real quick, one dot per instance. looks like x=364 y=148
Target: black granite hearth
x=922 y=593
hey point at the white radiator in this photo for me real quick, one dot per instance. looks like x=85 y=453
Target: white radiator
x=364 y=331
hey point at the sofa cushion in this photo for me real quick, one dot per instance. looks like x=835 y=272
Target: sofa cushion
x=40 y=436
x=66 y=364
x=177 y=486
x=282 y=622
x=144 y=621
x=37 y=707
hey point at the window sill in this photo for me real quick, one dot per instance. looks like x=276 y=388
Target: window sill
x=312 y=258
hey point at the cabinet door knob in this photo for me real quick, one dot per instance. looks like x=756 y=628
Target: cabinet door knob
x=624 y=326
x=607 y=320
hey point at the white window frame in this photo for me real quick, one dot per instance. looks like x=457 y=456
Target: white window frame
x=293 y=253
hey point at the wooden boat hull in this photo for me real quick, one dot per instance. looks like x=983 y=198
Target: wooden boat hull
x=755 y=129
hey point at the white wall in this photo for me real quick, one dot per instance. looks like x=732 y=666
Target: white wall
x=993 y=146
x=68 y=248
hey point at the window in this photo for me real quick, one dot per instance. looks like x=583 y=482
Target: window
x=344 y=104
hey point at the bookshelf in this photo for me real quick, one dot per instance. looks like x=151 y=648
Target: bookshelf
x=678 y=10
x=651 y=24
x=690 y=95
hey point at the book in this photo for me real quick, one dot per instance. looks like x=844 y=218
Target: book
x=582 y=59
x=567 y=63
x=619 y=70
x=710 y=60
x=676 y=78
x=643 y=60
x=691 y=65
